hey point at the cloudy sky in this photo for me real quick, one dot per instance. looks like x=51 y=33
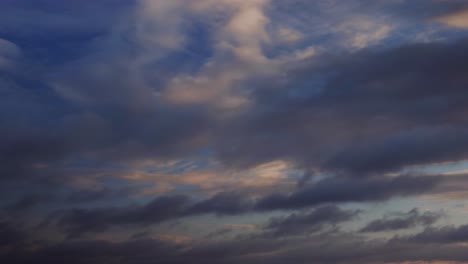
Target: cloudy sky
x=234 y=131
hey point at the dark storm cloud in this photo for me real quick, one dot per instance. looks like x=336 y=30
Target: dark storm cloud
x=76 y=97
x=87 y=196
x=363 y=113
x=441 y=235
x=52 y=32
x=223 y=203
x=26 y=202
x=305 y=223
x=10 y=235
x=40 y=133
x=368 y=112
x=118 y=119
x=350 y=190
x=37 y=198
x=410 y=219
x=93 y=251
x=81 y=220
x=407 y=148
x=323 y=248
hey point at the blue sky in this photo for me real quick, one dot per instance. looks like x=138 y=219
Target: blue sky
x=233 y=131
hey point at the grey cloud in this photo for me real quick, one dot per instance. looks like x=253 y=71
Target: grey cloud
x=94 y=251
x=375 y=112
x=305 y=223
x=223 y=203
x=350 y=190
x=78 y=95
x=26 y=202
x=219 y=233
x=10 y=235
x=87 y=196
x=79 y=221
x=410 y=219
x=372 y=112
x=323 y=248
x=441 y=235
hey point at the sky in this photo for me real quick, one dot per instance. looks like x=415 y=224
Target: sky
x=234 y=131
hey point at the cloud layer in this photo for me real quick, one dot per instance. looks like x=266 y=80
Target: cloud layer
x=233 y=131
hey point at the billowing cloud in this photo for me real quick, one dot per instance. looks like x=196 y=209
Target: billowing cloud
x=233 y=131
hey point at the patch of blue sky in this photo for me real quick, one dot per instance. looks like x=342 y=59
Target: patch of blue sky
x=51 y=33
x=53 y=49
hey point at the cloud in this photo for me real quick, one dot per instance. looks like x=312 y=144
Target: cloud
x=79 y=221
x=456 y=19
x=384 y=99
x=364 y=32
x=324 y=248
x=223 y=203
x=410 y=219
x=111 y=95
x=309 y=222
x=9 y=54
x=289 y=35
x=25 y=203
x=123 y=116
x=442 y=235
x=349 y=190
x=11 y=236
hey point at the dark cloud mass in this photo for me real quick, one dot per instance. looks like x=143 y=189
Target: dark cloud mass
x=378 y=112
x=442 y=235
x=79 y=221
x=331 y=248
x=256 y=131
x=310 y=222
x=406 y=220
x=349 y=190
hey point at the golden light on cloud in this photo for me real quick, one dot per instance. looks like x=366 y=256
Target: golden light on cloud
x=261 y=178
x=458 y=19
